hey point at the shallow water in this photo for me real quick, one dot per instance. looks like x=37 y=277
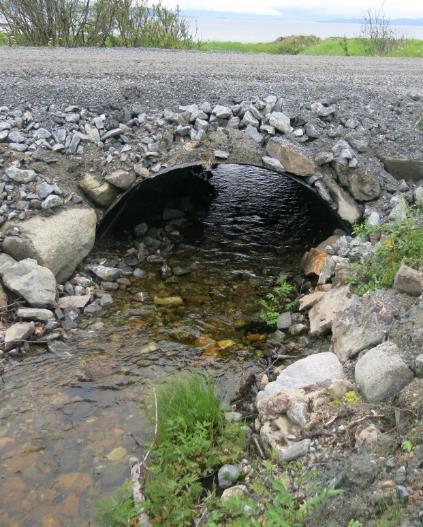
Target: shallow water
x=70 y=419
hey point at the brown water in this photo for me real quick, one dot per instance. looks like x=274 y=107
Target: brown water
x=70 y=419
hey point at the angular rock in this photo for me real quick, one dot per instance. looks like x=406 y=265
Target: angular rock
x=323 y=314
x=284 y=320
x=272 y=164
x=101 y=192
x=310 y=300
x=363 y=184
x=280 y=121
x=318 y=369
x=381 y=373
x=409 y=280
x=291 y=157
x=6 y=261
x=222 y=112
x=59 y=242
x=74 y=301
x=36 y=284
x=313 y=261
x=33 y=313
x=121 y=179
x=293 y=451
x=20 y=176
x=16 y=333
x=107 y=274
x=347 y=209
x=363 y=325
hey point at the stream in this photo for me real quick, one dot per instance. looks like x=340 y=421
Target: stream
x=69 y=420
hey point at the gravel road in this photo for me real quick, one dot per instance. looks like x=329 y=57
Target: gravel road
x=111 y=77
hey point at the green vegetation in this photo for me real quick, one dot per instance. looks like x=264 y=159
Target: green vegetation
x=401 y=243
x=271 y=502
x=278 y=300
x=193 y=441
x=351 y=398
x=419 y=123
x=310 y=45
x=355 y=523
x=407 y=445
x=117 y=511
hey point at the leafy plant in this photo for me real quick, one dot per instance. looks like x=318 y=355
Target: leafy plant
x=271 y=502
x=401 y=243
x=407 y=445
x=351 y=397
x=355 y=523
x=117 y=511
x=193 y=441
x=279 y=299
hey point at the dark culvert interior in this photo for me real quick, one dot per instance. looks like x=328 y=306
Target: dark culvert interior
x=198 y=250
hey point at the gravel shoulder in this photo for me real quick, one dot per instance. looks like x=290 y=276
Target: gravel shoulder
x=104 y=78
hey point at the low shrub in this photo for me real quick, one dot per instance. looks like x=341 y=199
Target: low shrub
x=276 y=301
x=401 y=243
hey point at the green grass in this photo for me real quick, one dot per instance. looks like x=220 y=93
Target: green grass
x=310 y=45
x=401 y=243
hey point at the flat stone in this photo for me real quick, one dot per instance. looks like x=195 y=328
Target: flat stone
x=222 y=112
x=284 y=320
x=318 y=369
x=293 y=451
x=272 y=164
x=121 y=179
x=20 y=176
x=291 y=157
x=17 y=333
x=235 y=491
x=33 y=282
x=381 y=373
x=74 y=301
x=310 y=300
x=170 y=301
x=59 y=242
x=107 y=274
x=323 y=314
x=409 y=280
x=33 y=313
x=101 y=192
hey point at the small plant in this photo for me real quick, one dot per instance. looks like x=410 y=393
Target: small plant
x=407 y=445
x=401 y=243
x=419 y=123
x=351 y=398
x=193 y=441
x=344 y=45
x=355 y=523
x=279 y=299
x=117 y=511
x=275 y=499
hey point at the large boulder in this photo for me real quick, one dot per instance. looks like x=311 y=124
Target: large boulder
x=291 y=157
x=325 y=311
x=364 y=324
x=317 y=369
x=363 y=183
x=59 y=242
x=409 y=280
x=31 y=281
x=381 y=373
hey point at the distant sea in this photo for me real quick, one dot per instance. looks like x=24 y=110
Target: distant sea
x=265 y=29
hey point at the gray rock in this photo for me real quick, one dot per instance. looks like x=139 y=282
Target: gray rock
x=17 y=333
x=237 y=490
x=250 y=120
x=20 y=176
x=59 y=242
x=36 y=284
x=121 y=179
x=363 y=325
x=381 y=372
x=222 y=112
x=44 y=189
x=254 y=134
x=221 y=154
x=318 y=369
x=3 y=135
x=32 y=313
x=284 y=320
x=322 y=111
x=291 y=157
x=323 y=158
x=280 y=121
x=107 y=274
x=400 y=208
x=42 y=133
x=326 y=310
x=294 y=451
x=6 y=262
x=141 y=230
x=409 y=280
x=347 y=208
x=228 y=475
x=273 y=164
x=16 y=137
x=52 y=202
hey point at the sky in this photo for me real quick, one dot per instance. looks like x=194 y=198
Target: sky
x=316 y=8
